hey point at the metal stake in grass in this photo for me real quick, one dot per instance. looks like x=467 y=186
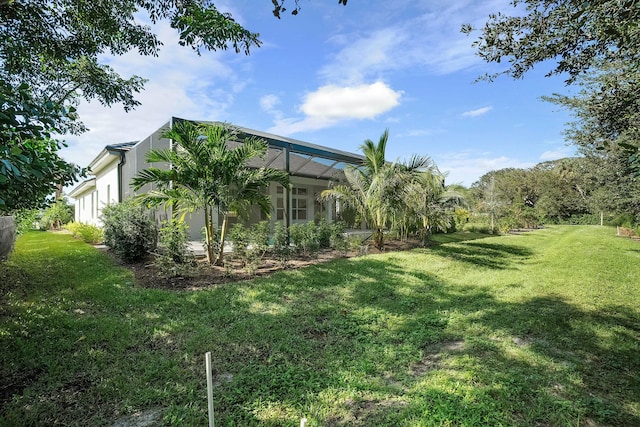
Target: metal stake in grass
x=207 y=358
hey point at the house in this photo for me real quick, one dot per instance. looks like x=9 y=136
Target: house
x=310 y=166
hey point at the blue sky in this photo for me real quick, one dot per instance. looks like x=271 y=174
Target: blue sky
x=336 y=75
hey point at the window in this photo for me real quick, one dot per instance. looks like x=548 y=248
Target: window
x=108 y=194
x=280 y=203
x=299 y=203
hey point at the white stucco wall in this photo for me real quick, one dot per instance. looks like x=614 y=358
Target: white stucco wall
x=106 y=189
x=85 y=207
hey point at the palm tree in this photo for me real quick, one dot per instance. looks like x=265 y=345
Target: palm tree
x=430 y=201
x=206 y=173
x=373 y=189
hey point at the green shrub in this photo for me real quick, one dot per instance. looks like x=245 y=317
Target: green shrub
x=88 y=233
x=56 y=215
x=476 y=227
x=281 y=245
x=26 y=220
x=259 y=238
x=239 y=236
x=305 y=238
x=626 y=220
x=128 y=230
x=250 y=244
x=355 y=243
x=324 y=231
x=174 y=238
x=337 y=240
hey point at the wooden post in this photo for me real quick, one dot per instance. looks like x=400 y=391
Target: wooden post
x=207 y=358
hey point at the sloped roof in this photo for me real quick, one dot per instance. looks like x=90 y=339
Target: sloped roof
x=305 y=159
x=123 y=146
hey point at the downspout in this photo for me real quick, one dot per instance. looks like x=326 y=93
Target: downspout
x=123 y=160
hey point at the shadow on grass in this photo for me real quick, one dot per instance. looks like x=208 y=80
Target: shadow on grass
x=482 y=254
x=360 y=342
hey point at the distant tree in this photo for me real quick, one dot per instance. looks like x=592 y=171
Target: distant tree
x=207 y=174
x=487 y=198
x=56 y=215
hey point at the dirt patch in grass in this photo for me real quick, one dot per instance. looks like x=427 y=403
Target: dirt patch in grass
x=150 y=417
x=432 y=356
x=203 y=275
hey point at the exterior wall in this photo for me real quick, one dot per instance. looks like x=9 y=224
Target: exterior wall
x=106 y=192
x=86 y=208
x=89 y=204
x=301 y=208
x=135 y=160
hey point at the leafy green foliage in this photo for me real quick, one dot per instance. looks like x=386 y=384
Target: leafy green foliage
x=576 y=34
x=374 y=190
x=174 y=239
x=54 y=47
x=88 y=233
x=30 y=166
x=128 y=230
x=281 y=244
x=250 y=244
x=305 y=238
x=26 y=219
x=51 y=59
x=56 y=215
x=240 y=239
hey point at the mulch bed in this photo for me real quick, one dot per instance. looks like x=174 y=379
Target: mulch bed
x=148 y=275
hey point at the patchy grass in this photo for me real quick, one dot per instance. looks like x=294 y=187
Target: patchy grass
x=541 y=328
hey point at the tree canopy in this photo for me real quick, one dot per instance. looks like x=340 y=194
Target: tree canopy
x=49 y=60
x=575 y=34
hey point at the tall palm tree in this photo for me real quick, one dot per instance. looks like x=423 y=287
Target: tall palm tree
x=206 y=172
x=373 y=189
x=430 y=201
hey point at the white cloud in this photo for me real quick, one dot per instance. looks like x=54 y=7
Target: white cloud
x=354 y=102
x=269 y=102
x=477 y=112
x=332 y=104
x=365 y=56
x=431 y=40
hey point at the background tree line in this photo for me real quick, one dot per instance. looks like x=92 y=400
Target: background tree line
x=597 y=187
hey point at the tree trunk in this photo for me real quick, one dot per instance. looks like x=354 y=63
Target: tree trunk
x=208 y=233
x=378 y=239
x=223 y=235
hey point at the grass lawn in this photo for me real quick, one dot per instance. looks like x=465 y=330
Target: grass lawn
x=537 y=329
